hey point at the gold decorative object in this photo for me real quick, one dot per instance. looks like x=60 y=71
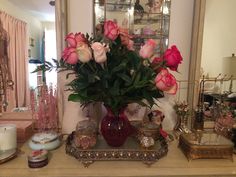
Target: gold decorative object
x=130 y=151
x=202 y=145
x=182 y=112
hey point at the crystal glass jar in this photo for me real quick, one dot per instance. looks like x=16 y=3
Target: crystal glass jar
x=86 y=134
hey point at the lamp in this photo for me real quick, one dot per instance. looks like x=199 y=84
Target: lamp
x=229 y=65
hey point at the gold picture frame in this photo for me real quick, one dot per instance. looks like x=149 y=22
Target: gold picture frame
x=29 y=53
x=31 y=42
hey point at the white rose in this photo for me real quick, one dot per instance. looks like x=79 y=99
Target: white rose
x=99 y=52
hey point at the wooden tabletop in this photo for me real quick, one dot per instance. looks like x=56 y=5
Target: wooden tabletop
x=174 y=164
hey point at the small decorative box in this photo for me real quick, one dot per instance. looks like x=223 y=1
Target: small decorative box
x=45 y=140
x=38 y=159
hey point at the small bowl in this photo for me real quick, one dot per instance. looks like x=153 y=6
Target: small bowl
x=45 y=140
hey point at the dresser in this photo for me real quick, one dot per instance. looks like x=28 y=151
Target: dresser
x=63 y=165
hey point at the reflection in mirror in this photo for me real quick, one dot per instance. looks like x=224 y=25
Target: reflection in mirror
x=32 y=39
x=214 y=60
x=142 y=19
x=219 y=49
x=5 y=74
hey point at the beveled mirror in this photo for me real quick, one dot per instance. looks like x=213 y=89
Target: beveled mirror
x=52 y=16
x=213 y=48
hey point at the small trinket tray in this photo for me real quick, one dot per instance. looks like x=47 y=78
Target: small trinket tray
x=7 y=155
x=204 y=145
x=38 y=159
x=130 y=151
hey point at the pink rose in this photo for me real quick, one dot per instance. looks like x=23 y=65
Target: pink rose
x=74 y=40
x=84 y=53
x=130 y=45
x=99 y=52
x=70 y=39
x=147 y=50
x=166 y=82
x=124 y=36
x=111 y=30
x=173 y=58
x=157 y=60
x=80 y=38
x=69 y=55
x=157 y=64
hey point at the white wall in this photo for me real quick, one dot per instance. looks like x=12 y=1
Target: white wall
x=80 y=17
x=80 y=20
x=34 y=25
x=180 y=35
x=48 y=25
x=219 y=39
x=181 y=20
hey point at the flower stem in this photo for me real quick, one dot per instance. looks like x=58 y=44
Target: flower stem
x=91 y=67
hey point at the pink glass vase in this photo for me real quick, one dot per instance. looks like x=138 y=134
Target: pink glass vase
x=115 y=129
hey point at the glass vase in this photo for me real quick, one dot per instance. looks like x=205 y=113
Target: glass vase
x=115 y=129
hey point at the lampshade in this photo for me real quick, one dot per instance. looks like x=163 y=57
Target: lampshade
x=229 y=65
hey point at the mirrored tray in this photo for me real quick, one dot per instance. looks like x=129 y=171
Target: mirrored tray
x=130 y=151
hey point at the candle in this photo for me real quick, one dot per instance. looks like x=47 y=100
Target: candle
x=7 y=137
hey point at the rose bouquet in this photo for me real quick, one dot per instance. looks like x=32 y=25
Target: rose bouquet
x=108 y=70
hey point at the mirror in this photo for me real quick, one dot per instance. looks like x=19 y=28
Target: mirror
x=213 y=48
x=42 y=41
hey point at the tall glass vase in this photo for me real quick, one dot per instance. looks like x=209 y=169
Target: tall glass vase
x=115 y=129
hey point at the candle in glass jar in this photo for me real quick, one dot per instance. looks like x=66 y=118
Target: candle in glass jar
x=7 y=137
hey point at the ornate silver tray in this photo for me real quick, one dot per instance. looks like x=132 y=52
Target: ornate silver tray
x=130 y=151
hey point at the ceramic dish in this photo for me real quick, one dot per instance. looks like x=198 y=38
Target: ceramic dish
x=7 y=155
x=48 y=141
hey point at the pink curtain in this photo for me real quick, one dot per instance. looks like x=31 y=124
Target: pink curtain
x=18 y=61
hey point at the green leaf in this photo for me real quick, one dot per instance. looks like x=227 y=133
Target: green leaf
x=55 y=61
x=115 y=90
x=87 y=36
x=117 y=42
x=74 y=97
x=126 y=78
x=48 y=63
x=118 y=68
x=137 y=78
x=91 y=78
x=148 y=97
